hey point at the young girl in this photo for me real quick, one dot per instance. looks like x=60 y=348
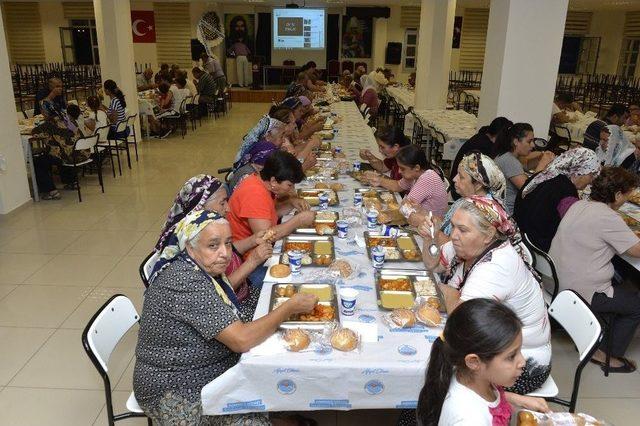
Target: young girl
x=389 y=143
x=426 y=190
x=477 y=356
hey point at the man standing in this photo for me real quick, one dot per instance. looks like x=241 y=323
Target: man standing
x=211 y=64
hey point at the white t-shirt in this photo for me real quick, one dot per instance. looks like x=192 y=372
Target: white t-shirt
x=464 y=407
x=506 y=278
x=191 y=87
x=178 y=96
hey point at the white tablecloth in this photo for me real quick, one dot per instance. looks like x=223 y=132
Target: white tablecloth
x=473 y=92
x=578 y=125
x=387 y=373
x=456 y=125
x=633 y=211
x=402 y=95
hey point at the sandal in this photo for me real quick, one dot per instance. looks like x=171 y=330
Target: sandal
x=627 y=366
x=53 y=195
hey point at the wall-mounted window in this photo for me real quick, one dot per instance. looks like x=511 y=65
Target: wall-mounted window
x=628 y=62
x=410 y=49
x=79 y=42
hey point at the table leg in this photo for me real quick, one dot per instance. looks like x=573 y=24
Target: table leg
x=28 y=156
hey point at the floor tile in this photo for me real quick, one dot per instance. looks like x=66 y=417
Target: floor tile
x=6 y=289
x=98 y=296
x=40 y=306
x=146 y=244
x=41 y=241
x=127 y=220
x=62 y=363
x=37 y=407
x=104 y=243
x=79 y=220
x=125 y=273
x=74 y=270
x=23 y=343
x=119 y=406
x=16 y=268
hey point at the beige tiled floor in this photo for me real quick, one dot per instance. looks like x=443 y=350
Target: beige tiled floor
x=60 y=260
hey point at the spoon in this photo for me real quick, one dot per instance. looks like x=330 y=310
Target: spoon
x=433 y=249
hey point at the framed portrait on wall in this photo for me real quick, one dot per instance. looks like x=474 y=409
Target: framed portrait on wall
x=357 y=37
x=240 y=30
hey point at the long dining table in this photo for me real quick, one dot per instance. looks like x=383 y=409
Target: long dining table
x=386 y=371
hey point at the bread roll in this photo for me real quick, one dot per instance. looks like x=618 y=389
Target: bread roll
x=321 y=185
x=280 y=271
x=403 y=318
x=336 y=186
x=296 y=339
x=344 y=340
x=427 y=315
x=343 y=267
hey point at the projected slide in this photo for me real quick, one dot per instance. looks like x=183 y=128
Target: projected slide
x=298 y=28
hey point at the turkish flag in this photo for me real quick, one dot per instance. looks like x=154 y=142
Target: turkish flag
x=143 y=26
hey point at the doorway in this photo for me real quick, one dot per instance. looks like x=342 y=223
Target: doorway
x=79 y=42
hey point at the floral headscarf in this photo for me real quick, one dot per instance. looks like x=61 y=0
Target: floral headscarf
x=260 y=150
x=192 y=196
x=253 y=136
x=189 y=227
x=494 y=213
x=483 y=169
x=574 y=162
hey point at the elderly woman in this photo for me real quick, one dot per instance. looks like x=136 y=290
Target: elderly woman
x=481 y=262
x=546 y=196
x=589 y=235
x=204 y=192
x=190 y=329
x=372 y=84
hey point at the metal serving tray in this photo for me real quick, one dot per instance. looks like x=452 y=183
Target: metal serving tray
x=401 y=243
x=312 y=239
x=412 y=276
x=326 y=293
x=331 y=222
x=311 y=196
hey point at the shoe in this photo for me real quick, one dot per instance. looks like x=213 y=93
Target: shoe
x=165 y=134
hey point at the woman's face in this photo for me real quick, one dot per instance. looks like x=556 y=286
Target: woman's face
x=620 y=199
x=523 y=147
x=581 y=182
x=505 y=368
x=408 y=172
x=297 y=112
x=218 y=202
x=389 y=151
x=468 y=241
x=465 y=186
x=281 y=188
x=56 y=88
x=213 y=249
x=604 y=136
x=276 y=136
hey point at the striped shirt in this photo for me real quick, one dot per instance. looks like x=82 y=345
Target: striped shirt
x=428 y=191
x=116 y=106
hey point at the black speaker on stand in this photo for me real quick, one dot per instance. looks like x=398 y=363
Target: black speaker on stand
x=256 y=72
x=393 y=55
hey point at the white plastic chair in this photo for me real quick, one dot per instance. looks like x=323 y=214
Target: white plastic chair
x=575 y=316
x=146 y=267
x=101 y=336
x=82 y=144
x=544 y=265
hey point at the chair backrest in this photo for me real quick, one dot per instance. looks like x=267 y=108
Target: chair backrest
x=87 y=142
x=103 y=133
x=28 y=113
x=121 y=126
x=106 y=328
x=196 y=99
x=527 y=254
x=183 y=104
x=544 y=265
x=146 y=267
x=131 y=120
x=575 y=316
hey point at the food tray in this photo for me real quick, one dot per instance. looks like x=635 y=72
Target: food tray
x=322 y=171
x=392 y=299
x=327 y=296
x=311 y=196
x=330 y=221
x=403 y=242
x=633 y=224
x=317 y=258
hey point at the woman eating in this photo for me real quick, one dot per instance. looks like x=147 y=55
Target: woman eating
x=546 y=197
x=372 y=84
x=516 y=142
x=426 y=190
x=481 y=262
x=596 y=138
x=590 y=234
x=116 y=111
x=389 y=141
x=190 y=328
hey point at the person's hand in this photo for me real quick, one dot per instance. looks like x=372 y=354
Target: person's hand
x=258 y=237
x=546 y=158
x=299 y=204
x=315 y=141
x=365 y=154
x=374 y=179
x=301 y=303
x=261 y=253
x=529 y=402
x=310 y=161
x=306 y=218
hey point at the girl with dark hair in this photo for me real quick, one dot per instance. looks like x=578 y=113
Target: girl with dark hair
x=390 y=140
x=426 y=190
x=590 y=234
x=483 y=142
x=513 y=144
x=473 y=360
x=116 y=111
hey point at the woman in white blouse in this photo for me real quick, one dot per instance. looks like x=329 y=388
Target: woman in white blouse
x=481 y=262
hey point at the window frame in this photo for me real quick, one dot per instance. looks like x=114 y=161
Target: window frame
x=407 y=33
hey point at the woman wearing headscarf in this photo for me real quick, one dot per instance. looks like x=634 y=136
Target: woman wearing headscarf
x=372 y=83
x=205 y=192
x=481 y=262
x=190 y=327
x=596 y=138
x=545 y=197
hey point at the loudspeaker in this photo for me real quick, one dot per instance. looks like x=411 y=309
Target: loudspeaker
x=394 y=53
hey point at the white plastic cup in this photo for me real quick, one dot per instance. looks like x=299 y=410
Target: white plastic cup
x=295 y=260
x=348 y=298
x=356 y=166
x=377 y=256
x=358 y=199
x=372 y=220
x=323 y=198
x=343 y=228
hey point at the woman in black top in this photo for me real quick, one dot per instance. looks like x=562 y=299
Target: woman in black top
x=483 y=142
x=546 y=196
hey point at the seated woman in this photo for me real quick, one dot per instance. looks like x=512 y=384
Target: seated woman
x=596 y=138
x=389 y=141
x=619 y=148
x=426 y=190
x=204 y=192
x=276 y=112
x=116 y=111
x=480 y=262
x=483 y=141
x=372 y=84
x=589 y=235
x=190 y=328
x=262 y=199
x=516 y=142
x=546 y=196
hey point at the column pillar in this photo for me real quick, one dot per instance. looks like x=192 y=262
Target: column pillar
x=522 y=54
x=14 y=187
x=115 y=43
x=379 y=43
x=434 y=53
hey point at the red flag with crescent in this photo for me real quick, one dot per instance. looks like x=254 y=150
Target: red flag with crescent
x=143 y=26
